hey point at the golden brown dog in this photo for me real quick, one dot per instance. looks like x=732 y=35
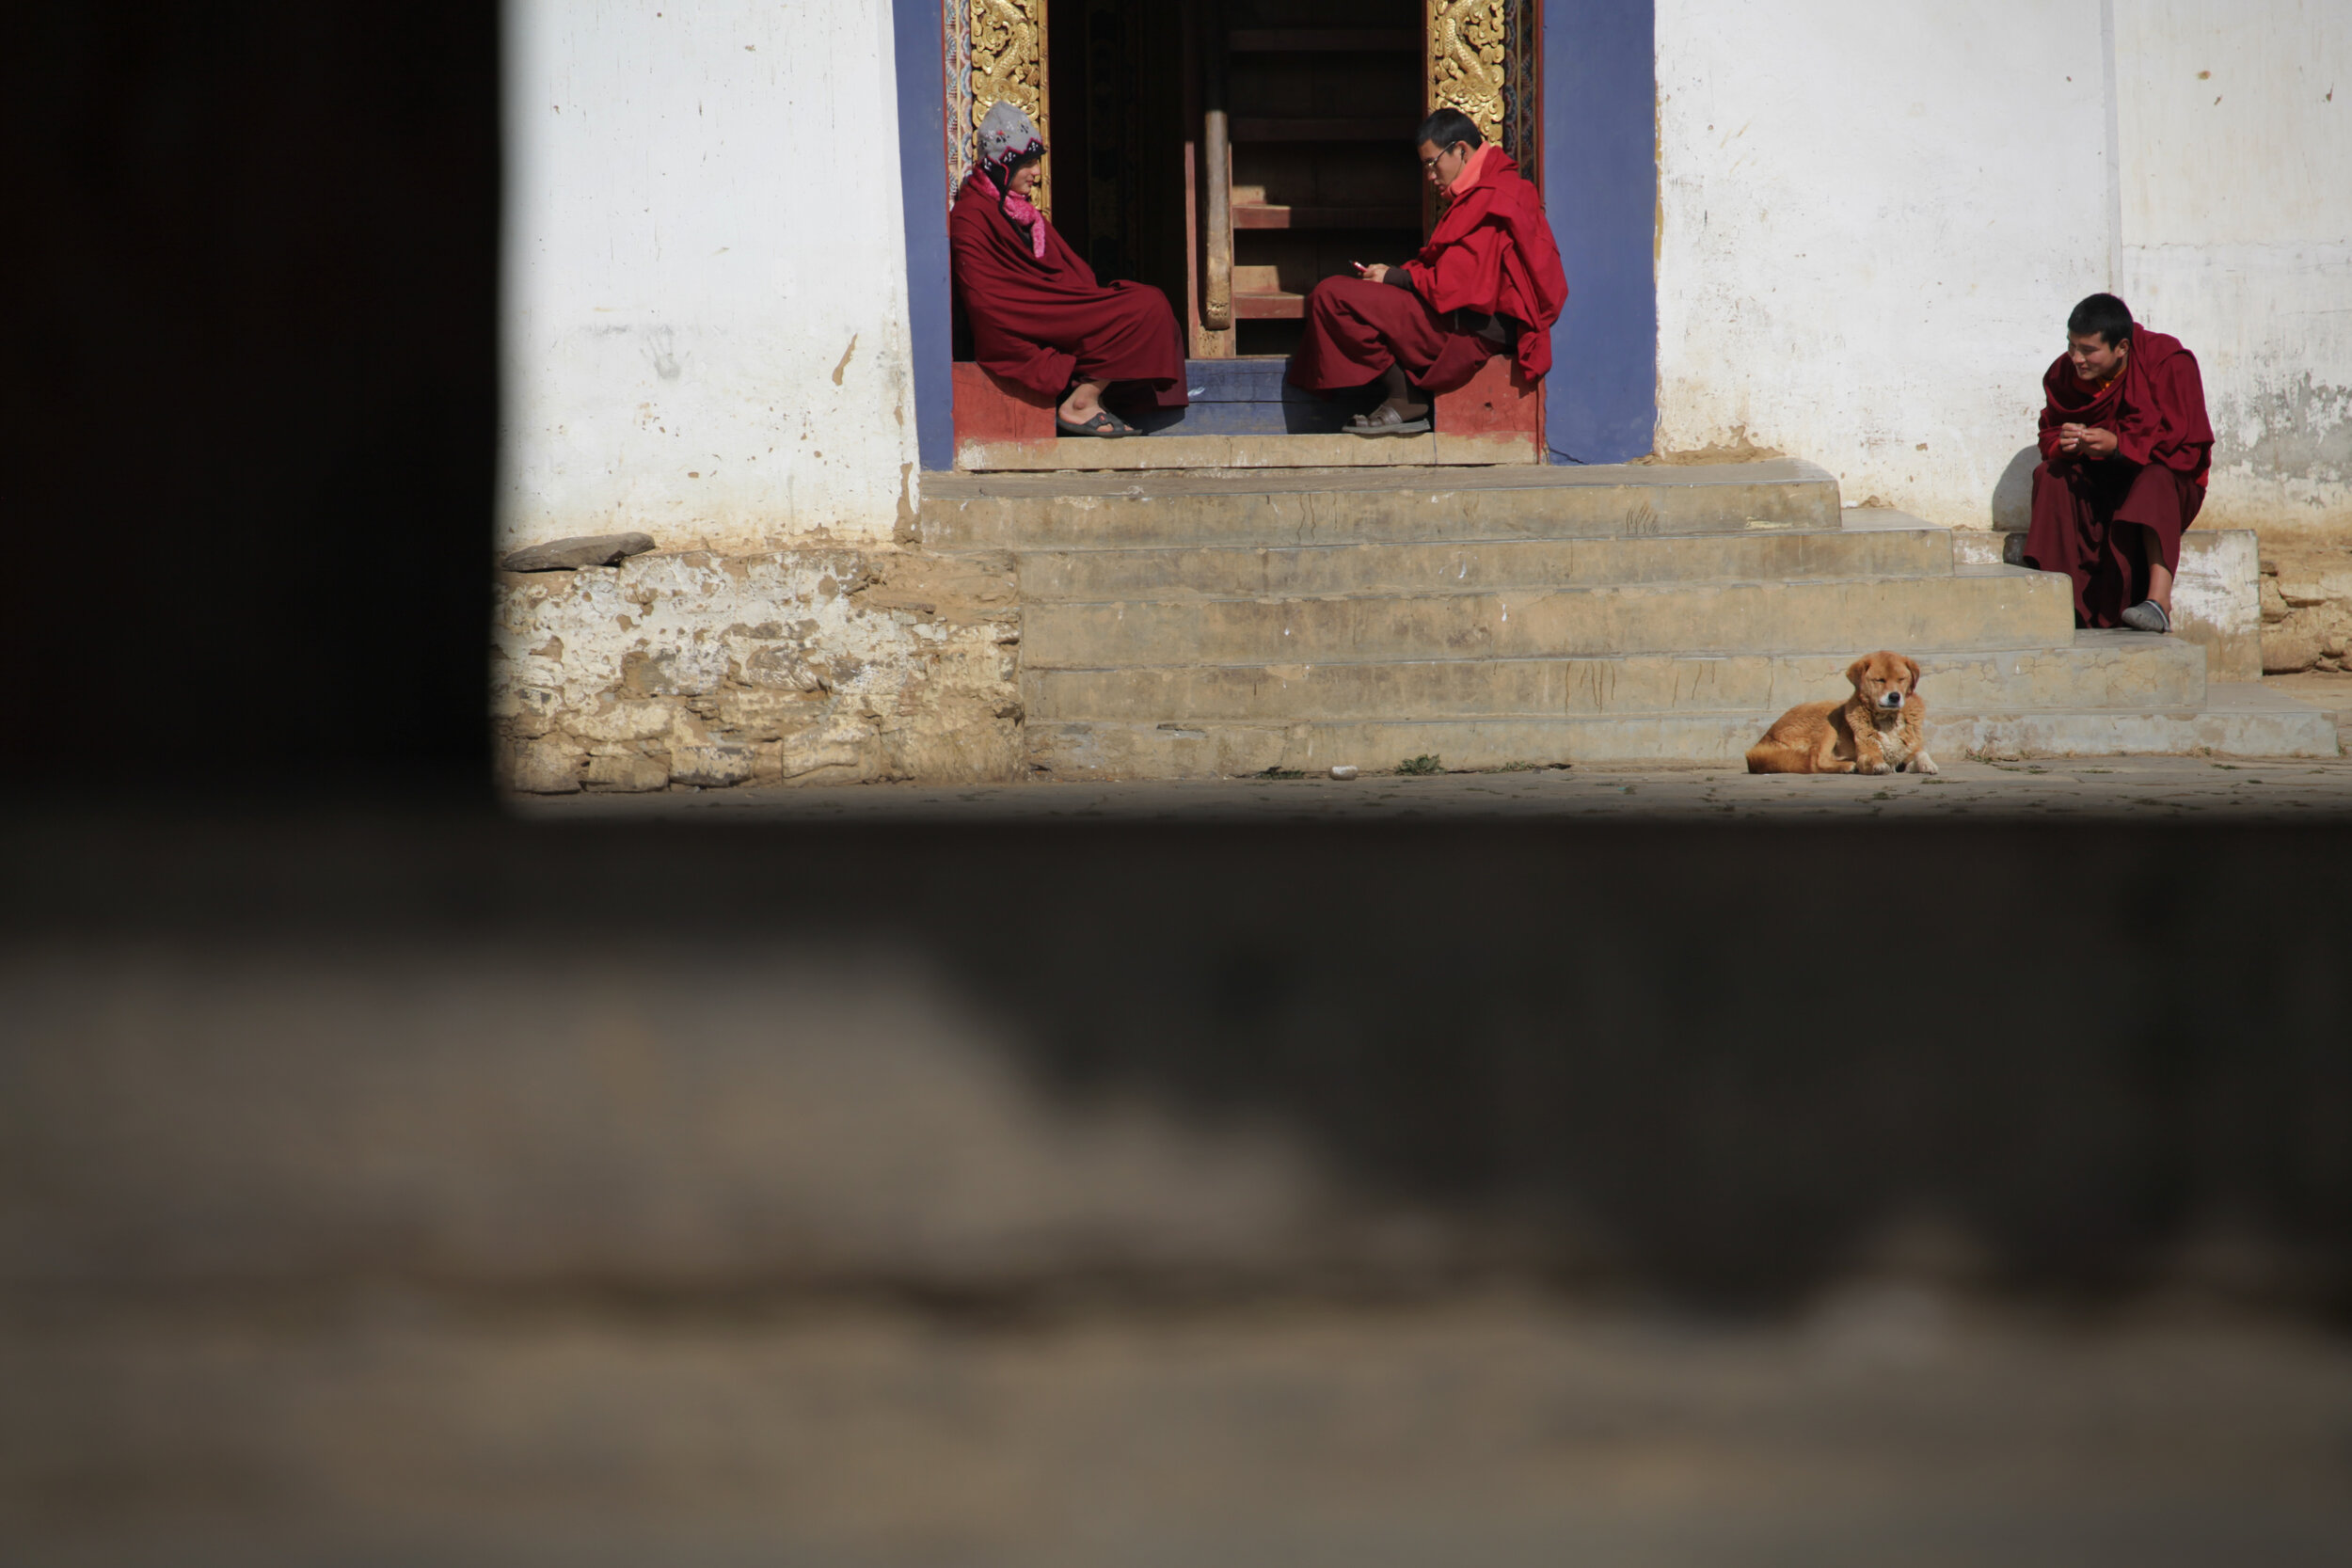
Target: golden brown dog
x=1877 y=730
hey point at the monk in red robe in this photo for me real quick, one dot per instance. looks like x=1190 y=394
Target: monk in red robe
x=1039 y=318
x=2126 y=452
x=1488 y=282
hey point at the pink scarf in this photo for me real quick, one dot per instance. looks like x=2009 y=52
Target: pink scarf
x=1472 y=166
x=1018 y=209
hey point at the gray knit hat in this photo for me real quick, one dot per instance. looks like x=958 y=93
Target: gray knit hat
x=1007 y=137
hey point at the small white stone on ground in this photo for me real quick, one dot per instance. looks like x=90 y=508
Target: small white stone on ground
x=1344 y=772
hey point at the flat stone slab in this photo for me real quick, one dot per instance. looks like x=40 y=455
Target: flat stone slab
x=570 y=555
x=1163 y=452
x=1279 y=507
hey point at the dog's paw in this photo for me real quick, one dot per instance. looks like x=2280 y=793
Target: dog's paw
x=1922 y=763
x=1872 y=768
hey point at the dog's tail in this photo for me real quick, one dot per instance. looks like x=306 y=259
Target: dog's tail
x=1770 y=756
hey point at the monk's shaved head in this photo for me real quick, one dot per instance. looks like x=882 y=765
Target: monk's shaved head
x=2103 y=314
x=1446 y=127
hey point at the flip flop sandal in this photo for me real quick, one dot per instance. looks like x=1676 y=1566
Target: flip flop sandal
x=1385 y=420
x=1104 y=424
x=2148 y=615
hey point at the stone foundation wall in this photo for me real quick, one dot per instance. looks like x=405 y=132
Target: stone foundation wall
x=2306 y=607
x=826 y=663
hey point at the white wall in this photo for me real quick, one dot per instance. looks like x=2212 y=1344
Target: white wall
x=2236 y=219
x=706 y=313
x=1874 y=217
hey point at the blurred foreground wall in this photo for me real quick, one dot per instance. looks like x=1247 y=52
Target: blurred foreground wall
x=395 y=1187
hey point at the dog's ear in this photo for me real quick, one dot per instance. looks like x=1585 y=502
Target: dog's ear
x=1854 y=672
x=1913 y=665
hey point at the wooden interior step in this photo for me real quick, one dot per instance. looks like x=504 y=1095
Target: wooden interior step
x=1247 y=215
x=1259 y=295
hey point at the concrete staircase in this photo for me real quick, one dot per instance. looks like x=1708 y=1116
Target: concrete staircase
x=1181 y=625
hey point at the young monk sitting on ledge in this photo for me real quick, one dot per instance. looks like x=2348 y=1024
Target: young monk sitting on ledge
x=1039 y=318
x=2126 y=448
x=1488 y=282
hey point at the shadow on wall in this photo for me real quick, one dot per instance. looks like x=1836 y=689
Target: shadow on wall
x=2012 y=495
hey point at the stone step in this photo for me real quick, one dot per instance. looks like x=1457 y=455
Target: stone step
x=2236 y=720
x=1983 y=607
x=1329 y=506
x=1758 y=555
x=2103 y=671
x=1180 y=454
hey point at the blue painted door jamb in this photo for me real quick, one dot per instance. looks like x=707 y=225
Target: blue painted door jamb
x=923 y=190
x=1600 y=189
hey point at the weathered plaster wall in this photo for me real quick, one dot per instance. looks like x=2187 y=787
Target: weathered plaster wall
x=2236 y=227
x=706 y=306
x=1873 y=218
x=831 y=664
x=1867 y=213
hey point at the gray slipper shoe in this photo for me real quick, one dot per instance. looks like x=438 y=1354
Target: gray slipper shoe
x=1388 y=419
x=2147 y=615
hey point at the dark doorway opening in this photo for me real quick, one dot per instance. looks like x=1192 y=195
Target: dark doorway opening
x=1317 y=100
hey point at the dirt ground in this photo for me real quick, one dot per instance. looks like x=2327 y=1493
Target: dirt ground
x=2219 y=787
x=1882 y=1426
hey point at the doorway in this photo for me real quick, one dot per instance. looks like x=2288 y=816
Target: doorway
x=1276 y=152
x=1231 y=153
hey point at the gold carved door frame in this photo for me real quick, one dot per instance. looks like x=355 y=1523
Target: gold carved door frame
x=1481 y=57
x=1483 y=60
x=994 y=51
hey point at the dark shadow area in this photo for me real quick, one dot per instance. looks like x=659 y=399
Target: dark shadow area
x=1705 y=1041
x=2012 y=493
x=251 y=325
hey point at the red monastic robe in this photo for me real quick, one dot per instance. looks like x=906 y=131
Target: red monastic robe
x=1041 y=321
x=2155 y=479
x=1492 y=253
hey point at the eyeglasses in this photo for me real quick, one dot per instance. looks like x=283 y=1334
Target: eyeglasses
x=1431 y=163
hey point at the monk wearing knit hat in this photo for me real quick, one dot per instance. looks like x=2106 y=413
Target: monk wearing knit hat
x=1038 y=317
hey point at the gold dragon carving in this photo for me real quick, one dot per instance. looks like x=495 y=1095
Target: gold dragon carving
x=1467 y=45
x=1008 y=64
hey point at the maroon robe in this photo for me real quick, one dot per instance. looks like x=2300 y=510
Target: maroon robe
x=1492 y=254
x=2083 y=508
x=1043 y=322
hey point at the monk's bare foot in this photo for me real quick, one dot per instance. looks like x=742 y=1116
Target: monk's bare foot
x=1084 y=402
